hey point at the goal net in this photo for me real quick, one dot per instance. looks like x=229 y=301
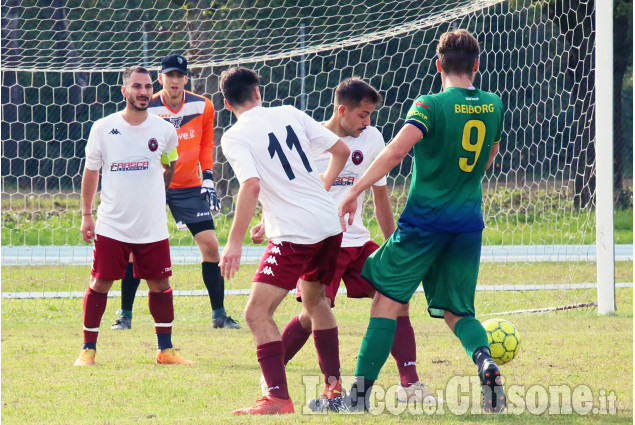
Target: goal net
x=61 y=71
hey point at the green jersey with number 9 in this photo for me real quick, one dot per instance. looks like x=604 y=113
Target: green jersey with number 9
x=459 y=128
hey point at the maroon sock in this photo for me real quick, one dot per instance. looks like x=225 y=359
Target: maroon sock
x=404 y=350
x=328 y=351
x=162 y=310
x=270 y=357
x=94 y=307
x=294 y=337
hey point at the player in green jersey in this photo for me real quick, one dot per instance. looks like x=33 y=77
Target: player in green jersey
x=455 y=137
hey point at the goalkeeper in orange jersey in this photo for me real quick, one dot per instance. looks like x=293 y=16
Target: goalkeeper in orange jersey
x=190 y=198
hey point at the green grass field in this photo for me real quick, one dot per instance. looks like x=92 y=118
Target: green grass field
x=512 y=217
x=42 y=337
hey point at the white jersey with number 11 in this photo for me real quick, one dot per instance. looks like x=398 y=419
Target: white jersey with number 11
x=276 y=145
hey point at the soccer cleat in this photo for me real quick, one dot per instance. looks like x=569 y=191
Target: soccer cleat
x=494 y=400
x=170 y=356
x=344 y=403
x=333 y=390
x=417 y=393
x=268 y=405
x=226 y=322
x=86 y=358
x=122 y=323
x=332 y=398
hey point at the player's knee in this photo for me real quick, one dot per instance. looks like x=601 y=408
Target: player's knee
x=208 y=244
x=451 y=319
x=210 y=251
x=254 y=316
x=316 y=305
x=305 y=319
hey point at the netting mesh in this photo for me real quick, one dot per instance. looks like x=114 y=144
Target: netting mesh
x=111 y=35
x=61 y=72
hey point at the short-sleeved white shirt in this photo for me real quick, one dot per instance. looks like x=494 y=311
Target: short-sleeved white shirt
x=132 y=207
x=364 y=150
x=276 y=145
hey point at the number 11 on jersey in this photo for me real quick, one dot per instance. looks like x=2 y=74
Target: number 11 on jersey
x=292 y=141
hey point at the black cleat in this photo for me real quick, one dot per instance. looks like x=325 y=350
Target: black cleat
x=226 y=322
x=494 y=400
x=122 y=323
x=336 y=404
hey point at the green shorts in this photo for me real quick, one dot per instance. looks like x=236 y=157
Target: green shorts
x=446 y=263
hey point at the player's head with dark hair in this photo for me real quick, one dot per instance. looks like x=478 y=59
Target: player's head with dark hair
x=127 y=73
x=353 y=91
x=458 y=52
x=137 y=87
x=355 y=102
x=238 y=84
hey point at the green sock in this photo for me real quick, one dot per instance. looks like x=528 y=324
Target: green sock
x=376 y=347
x=471 y=333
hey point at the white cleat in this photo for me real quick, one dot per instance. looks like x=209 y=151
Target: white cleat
x=417 y=393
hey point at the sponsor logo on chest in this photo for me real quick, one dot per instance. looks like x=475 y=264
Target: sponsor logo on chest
x=345 y=179
x=187 y=135
x=130 y=164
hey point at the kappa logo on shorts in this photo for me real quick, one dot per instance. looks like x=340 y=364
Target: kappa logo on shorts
x=267 y=270
x=271 y=260
x=275 y=250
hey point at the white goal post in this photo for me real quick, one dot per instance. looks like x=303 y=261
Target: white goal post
x=604 y=230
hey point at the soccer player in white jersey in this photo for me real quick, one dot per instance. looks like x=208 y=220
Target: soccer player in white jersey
x=190 y=198
x=269 y=150
x=354 y=103
x=130 y=147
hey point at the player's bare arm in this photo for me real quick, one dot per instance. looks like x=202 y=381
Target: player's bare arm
x=383 y=210
x=247 y=200
x=90 y=181
x=492 y=155
x=168 y=173
x=392 y=155
x=339 y=155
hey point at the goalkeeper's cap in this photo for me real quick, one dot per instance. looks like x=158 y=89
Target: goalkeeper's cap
x=174 y=63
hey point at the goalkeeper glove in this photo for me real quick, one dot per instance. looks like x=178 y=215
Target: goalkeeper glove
x=208 y=191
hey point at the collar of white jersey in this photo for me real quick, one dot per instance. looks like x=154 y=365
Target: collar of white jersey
x=133 y=126
x=252 y=110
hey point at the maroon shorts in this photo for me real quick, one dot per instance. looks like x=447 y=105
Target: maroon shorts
x=349 y=269
x=284 y=263
x=151 y=260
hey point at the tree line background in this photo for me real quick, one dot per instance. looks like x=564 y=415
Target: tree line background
x=61 y=68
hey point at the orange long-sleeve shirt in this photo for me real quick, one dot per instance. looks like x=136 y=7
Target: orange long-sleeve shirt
x=194 y=123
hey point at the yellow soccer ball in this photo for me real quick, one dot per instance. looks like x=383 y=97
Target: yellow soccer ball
x=503 y=338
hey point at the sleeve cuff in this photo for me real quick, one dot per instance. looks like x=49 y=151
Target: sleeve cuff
x=417 y=124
